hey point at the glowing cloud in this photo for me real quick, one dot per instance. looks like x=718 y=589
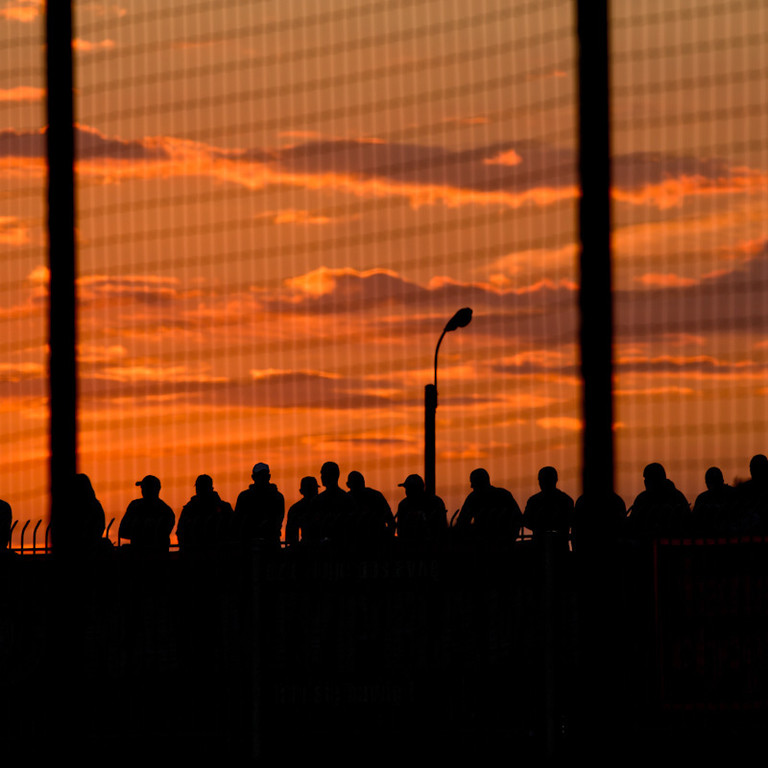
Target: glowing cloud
x=421 y=174
x=510 y=157
x=24 y=11
x=87 y=46
x=564 y=423
x=13 y=231
x=668 y=280
x=22 y=93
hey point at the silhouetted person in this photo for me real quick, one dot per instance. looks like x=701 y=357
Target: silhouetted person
x=489 y=513
x=6 y=523
x=753 y=497
x=659 y=510
x=598 y=521
x=295 y=527
x=204 y=519
x=331 y=512
x=421 y=517
x=374 y=523
x=79 y=525
x=714 y=511
x=260 y=509
x=550 y=511
x=148 y=521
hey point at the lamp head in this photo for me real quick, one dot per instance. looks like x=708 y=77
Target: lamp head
x=460 y=320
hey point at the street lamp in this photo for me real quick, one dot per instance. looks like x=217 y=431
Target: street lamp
x=460 y=320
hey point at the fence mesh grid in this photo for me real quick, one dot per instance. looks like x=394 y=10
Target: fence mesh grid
x=23 y=245
x=689 y=128
x=281 y=204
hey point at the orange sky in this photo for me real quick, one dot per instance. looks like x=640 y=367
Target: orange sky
x=279 y=207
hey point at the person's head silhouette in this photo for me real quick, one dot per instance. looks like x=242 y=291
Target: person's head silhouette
x=713 y=478
x=479 y=479
x=150 y=486
x=204 y=485
x=260 y=474
x=547 y=478
x=329 y=474
x=413 y=484
x=758 y=467
x=654 y=476
x=355 y=481
x=83 y=488
x=308 y=487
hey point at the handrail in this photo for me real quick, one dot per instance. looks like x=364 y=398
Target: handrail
x=34 y=537
x=23 y=531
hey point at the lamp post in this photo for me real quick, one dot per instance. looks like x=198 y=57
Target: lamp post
x=461 y=319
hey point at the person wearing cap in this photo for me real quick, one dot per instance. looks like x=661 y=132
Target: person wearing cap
x=489 y=513
x=204 y=517
x=260 y=509
x=373 y=523
x=421 y=517
x=295 y=528
x=148 y=521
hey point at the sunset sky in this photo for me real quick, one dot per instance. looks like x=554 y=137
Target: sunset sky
x=281 y=203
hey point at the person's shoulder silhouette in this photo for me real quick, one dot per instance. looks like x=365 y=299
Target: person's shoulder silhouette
x=421 y=519
x=661 y=509
x=78 y=527
x=373 y=523
x=714 y=510
x=297 y=527
x=489 y=512
x=6 y=526
x=550 y=511
x=148 y=521
x=204 y=518
x=260 y=508
x=753 y=497
x=599 y=520
x=331 y=511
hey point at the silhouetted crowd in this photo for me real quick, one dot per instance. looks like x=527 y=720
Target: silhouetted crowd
x=361 y=518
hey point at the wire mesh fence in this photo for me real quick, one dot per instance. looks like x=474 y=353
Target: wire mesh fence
x=280 y=206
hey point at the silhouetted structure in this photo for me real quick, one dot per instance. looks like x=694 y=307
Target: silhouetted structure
x=373 y=523
x=421 y=517
x=489 y=514
x=295 y=526
x=550 y=511
x=148 y=521
x=260 y=509
x=661 y=509
x=204 y=519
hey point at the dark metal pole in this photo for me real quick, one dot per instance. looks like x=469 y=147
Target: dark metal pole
x=61 y=255
x=595 y=297
x=430 y=409
x=601 y=635
x=461 y=319
x=430 y=414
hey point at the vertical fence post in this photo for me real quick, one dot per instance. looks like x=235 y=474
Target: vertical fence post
x=61 y=255
x=599 y=656
x=595 y=297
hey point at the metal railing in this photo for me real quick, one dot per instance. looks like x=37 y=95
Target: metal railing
x=40 y=543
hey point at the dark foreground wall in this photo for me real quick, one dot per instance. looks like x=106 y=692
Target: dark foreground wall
x=452 y=655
